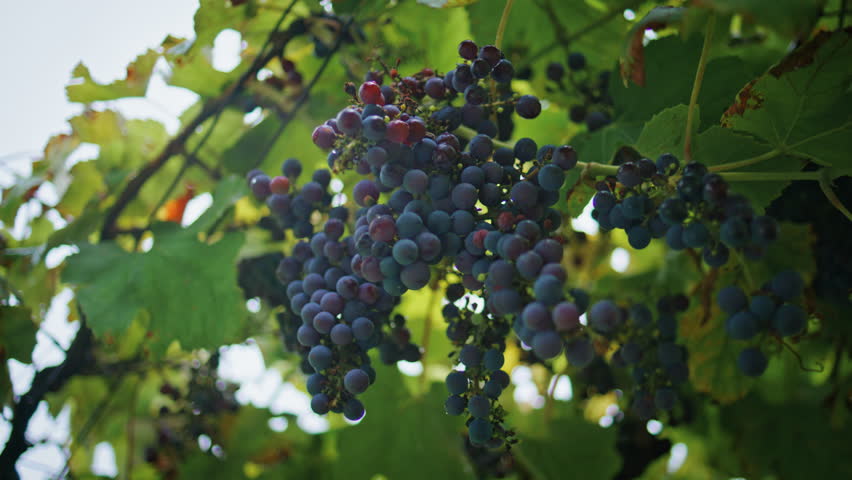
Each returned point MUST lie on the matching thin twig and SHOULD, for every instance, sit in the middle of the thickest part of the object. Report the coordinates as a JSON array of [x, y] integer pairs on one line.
[[504, 19], [819, 366], [832, 197], [619, 10], [303, 97], [696, 87]]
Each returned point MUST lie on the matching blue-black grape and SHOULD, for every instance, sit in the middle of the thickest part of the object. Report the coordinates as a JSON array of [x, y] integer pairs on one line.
[[752, 362]]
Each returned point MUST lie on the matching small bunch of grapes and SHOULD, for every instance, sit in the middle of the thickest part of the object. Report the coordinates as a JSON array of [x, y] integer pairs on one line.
[[292, 208], [768, 310], [596, 106], [698, 213], [648, 347]]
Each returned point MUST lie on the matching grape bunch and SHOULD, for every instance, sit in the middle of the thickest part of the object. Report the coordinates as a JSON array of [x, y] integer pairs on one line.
[[803, 202], [649, 348], [596, 104], [768, 310], [698, 213], [291, 208], [443, 202]]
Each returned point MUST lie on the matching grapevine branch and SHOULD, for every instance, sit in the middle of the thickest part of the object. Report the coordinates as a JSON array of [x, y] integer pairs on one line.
[[211, 107], [696, 88], [304, 96], [47, 380], [564, 42]]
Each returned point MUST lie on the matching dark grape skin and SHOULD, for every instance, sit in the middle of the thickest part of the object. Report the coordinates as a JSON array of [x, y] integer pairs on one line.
[[752, 362], [356, 381], [596, 120], [479, 406], [604, 316], [480, 431], [353, 410], [629, 175], [528, 106], [555, 71], [787, 285], [576, 61], [468, 50], [732, 299]]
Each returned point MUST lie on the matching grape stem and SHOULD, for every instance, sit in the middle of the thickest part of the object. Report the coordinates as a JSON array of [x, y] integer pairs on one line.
[[504, 19], [745, 163], [696, 88], [594, 169], [825, 186], [769, 176], [819, 366]]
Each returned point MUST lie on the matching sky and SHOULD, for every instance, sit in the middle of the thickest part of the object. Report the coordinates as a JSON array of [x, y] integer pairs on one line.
[[42, 40]]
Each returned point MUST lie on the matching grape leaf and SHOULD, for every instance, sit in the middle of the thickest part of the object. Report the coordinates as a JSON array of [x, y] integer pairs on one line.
[[405, 428], [791, 18], [632, 61], [670, 65], [17, 333], [764, 430], [247, 439], [601, 146], [718, 145], [803, 106], [664, 133], [592, 453], [83, 89], [114, 285], [713, 355], [88, 181]]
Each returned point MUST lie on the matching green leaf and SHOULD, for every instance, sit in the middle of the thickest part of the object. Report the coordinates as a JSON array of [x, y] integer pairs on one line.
[[574, 194], [601, 146], [87, 182], [802, 106], [83, 89], [17, 333], [670, 65], [763, 430], [531, 26], [242, 155], [790, 18], [78, 230], [192, 69], [664, 133], [713, 355], [718, 145], [227, 192], [247, 440], [570, 445], [114, 286], [430, 36], [404, 428], [632, 61]]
